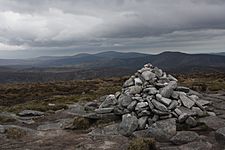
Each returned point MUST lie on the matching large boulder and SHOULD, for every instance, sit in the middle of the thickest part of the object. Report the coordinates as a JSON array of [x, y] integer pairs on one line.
[[163, 130], [128, 125]]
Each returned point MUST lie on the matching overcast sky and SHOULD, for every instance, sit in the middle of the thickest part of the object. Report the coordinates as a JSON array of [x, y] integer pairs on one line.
[[31, 28]]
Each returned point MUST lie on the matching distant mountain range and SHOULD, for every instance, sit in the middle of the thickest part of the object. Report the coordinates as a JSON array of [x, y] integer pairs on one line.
[[106, 64], [222, 53], [172, 61]]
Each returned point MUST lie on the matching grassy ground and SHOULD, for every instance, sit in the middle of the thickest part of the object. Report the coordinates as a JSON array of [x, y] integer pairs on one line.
[[203, 82], [38, 96]]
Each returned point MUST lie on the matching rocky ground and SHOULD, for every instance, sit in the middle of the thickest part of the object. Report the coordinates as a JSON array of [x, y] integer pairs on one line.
[[76, 128]]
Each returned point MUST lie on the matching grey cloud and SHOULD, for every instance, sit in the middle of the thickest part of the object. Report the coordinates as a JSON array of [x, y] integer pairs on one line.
[[98, 25]]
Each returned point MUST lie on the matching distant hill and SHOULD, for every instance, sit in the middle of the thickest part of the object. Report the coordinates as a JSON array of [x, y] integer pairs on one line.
[[222, 53], [105, 64]]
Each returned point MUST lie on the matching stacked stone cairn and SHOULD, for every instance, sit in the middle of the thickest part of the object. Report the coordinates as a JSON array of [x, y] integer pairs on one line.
[[152, 95]]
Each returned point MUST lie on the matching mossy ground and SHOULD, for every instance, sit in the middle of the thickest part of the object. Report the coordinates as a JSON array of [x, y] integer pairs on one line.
[[142, 144], [15, 133]]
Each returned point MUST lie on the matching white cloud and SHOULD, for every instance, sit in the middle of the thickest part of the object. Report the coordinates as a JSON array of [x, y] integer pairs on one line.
[[5, 47]]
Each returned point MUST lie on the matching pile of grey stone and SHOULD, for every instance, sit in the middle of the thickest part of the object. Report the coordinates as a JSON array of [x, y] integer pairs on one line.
[[151, 95]]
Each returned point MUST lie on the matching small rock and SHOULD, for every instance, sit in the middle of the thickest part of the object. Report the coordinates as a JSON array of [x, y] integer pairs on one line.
[[220, 136], [182, 117], [186, 101], [138, 98], [104, 110], [90, 106], [117, 95], [191, 121], [166, 101], [163, 130], [148, 75], [132, 90], [159, 105], [172, 78], [144, 113], [178, 111], [204, 102], [2, 129], [132, 105], [183, 137], [165, 116], [158, 72], [198, 111], [142, 122], [151, 90], [141, 105], [182, 89], [158, 97], [211, 113], [159, 112], [128, 83], [186, 110], [168, 90], [173, 104], [51, 104], [194, 97], [109, 101], [128, 125], [30, 113], [138, 81], [155, 118], [199, 105], [175, 95], [124, 100]]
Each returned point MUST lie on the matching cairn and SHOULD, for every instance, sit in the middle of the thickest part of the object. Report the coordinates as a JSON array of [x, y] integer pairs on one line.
[[151, 95]]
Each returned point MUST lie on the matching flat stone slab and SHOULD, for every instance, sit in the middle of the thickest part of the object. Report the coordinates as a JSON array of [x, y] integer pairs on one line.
[[104, 110], [50, 126], [183, 137], [111, 116], [107, 130], [196, 146], [30, 113], [213, 122]]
